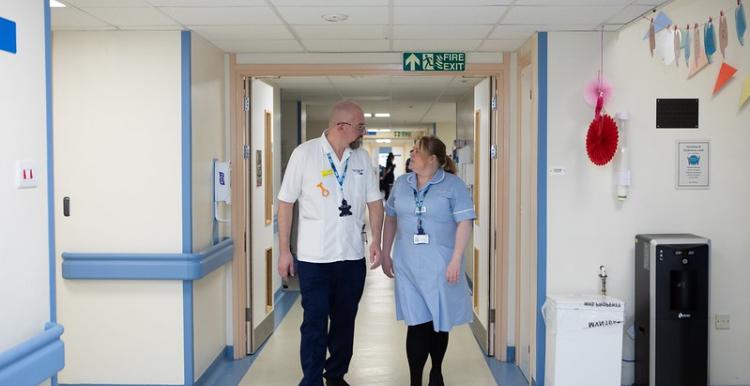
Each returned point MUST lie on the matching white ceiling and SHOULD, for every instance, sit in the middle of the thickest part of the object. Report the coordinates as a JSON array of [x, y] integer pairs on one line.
[[264, 26], [411, 100]]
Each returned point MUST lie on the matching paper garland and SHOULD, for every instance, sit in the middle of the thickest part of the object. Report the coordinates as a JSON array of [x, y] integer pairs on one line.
[[725, 74]]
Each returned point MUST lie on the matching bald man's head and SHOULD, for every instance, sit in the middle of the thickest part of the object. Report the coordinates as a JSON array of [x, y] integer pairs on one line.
[[347, 123]]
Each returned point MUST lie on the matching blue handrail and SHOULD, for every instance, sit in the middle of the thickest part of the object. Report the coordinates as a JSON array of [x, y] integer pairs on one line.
[[146, 266]]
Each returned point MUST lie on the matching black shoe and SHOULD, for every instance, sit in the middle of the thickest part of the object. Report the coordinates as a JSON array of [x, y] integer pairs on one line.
[[336, 382], [436, 379]]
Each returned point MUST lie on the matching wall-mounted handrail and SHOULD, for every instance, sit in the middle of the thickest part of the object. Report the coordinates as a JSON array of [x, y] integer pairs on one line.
[[146, 266]]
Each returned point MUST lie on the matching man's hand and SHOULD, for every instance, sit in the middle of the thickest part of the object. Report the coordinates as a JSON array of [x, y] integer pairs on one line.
[[286, 265], [387, 265], [375, 255]]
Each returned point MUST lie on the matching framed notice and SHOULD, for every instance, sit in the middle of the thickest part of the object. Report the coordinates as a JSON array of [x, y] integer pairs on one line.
[[692, 165]]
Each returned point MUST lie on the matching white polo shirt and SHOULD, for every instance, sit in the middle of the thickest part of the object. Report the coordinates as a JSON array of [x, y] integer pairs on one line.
[[322, 235]]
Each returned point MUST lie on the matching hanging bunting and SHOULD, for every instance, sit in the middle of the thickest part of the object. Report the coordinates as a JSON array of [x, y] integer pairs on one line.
[[745, 91], [652, 38], [665, 46], [677, 46], [723, 35], [709, 38], [699, 61], [739, 17], [725, 74], [686, 44], [662, 21]]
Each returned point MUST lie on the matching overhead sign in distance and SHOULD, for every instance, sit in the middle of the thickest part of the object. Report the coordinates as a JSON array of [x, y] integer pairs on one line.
[[434, 61]]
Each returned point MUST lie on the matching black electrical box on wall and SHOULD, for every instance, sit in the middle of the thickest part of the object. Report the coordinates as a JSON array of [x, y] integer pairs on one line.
[[676, 113]]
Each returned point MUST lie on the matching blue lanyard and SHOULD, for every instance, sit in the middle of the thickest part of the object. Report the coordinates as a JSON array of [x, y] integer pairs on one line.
[[340, 179], [419, 203]]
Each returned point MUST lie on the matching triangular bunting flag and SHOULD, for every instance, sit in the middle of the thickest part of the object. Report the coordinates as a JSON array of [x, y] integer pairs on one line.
[[745, 91], [725, 74], [662, 21]]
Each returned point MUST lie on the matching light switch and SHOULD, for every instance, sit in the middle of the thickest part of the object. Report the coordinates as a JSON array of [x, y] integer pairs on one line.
[[27, 174], [722, 322]]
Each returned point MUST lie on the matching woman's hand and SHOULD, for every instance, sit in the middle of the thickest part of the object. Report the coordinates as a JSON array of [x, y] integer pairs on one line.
[[387, 264], [453, 270]]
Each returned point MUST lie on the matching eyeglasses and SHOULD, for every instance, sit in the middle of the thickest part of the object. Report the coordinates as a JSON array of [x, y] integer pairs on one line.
[[361, 126]]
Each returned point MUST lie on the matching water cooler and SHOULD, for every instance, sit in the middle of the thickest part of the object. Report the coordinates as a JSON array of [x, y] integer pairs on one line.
[[671, 310]]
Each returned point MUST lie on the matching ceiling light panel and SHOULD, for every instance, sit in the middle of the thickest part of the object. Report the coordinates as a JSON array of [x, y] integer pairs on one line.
[[312, 15], [448, 15], [222, 15]]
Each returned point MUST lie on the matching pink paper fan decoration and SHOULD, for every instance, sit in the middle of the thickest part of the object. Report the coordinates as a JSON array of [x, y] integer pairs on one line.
[[594, 88]]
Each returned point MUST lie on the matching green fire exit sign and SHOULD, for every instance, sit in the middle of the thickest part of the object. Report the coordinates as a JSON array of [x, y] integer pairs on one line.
[[434, 61]]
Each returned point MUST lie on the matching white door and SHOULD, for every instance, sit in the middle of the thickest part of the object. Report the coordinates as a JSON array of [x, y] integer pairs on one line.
[[525, 138], [260, 261], [481, 279]]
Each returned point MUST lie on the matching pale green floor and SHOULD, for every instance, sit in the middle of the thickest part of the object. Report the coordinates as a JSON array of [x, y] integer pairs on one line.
[[379, 354]]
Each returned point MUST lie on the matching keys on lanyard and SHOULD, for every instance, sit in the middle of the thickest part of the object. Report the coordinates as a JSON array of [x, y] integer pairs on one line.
[[420, 237], [345, 208]]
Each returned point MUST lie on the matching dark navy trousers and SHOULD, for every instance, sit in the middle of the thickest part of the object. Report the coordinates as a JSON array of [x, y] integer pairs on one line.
[[329, 291]]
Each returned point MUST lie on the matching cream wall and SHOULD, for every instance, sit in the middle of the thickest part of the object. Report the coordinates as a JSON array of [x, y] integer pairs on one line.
[[117, 155], [24, 241], [587, 227], [446, 131], [209, 140]]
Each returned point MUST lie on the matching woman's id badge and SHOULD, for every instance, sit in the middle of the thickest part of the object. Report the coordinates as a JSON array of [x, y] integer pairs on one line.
[[421, 209], [421, 239]]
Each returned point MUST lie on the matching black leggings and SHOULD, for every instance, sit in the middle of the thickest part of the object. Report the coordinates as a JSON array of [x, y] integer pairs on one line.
[[421, 341]]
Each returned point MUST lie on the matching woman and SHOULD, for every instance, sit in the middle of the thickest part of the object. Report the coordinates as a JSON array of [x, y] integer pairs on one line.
[[430, 214], [386, 180]]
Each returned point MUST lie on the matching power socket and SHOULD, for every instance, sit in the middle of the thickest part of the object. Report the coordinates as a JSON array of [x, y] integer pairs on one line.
[[722, 321]]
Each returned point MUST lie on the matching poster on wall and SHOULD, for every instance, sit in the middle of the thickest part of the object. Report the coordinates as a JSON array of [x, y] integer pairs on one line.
[[692, 165]]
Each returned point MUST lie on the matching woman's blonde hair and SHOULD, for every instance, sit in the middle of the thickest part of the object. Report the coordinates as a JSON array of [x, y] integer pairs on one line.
[[432, 145]]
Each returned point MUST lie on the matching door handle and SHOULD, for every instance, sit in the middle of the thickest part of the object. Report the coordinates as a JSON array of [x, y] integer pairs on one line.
[[66, 206]]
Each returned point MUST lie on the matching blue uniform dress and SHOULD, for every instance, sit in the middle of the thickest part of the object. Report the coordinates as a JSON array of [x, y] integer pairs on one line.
[[422, 292]]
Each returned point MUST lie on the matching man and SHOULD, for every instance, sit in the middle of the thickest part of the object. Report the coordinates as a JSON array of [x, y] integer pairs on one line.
[[333, 181]]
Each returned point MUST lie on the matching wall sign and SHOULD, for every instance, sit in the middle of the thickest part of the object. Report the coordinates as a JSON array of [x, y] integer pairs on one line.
[[692, 165], [434, 61], [7, 35]]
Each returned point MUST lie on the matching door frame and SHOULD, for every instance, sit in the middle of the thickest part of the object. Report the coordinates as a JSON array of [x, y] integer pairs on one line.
[[527, 57], [499, 133]]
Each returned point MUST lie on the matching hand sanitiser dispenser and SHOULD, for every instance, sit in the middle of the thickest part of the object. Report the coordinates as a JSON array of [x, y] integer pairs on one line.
[[222, 191], [671, 310]]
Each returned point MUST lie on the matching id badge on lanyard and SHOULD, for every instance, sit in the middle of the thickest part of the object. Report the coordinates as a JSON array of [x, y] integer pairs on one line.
[[420, 237]]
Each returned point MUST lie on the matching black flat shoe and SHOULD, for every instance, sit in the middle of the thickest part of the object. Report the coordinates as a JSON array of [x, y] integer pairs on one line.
[[436, 379], [336, 382]]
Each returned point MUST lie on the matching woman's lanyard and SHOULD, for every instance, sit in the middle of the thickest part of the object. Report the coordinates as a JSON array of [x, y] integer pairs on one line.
[[419, 203], [345, 208]]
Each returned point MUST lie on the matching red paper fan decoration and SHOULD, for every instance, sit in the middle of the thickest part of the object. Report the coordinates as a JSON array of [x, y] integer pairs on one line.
[[601, 139]]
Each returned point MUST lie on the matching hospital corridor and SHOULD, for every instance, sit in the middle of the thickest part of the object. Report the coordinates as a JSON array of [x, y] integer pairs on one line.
[[374, 193]]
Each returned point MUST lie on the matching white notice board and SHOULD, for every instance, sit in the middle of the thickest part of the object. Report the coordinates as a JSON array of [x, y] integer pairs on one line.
[[692, 165]]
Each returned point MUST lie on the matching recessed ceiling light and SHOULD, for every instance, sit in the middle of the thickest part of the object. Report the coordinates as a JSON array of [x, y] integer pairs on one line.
[[385, 130], [383, 140], [55, 4], [368, 115], [382, 115], [335, 17]]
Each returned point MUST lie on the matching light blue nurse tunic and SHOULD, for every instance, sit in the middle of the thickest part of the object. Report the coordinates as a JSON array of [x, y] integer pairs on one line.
[[422, 292]]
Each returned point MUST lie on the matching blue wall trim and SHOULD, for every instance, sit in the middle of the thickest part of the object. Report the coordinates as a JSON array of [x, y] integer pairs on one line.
[[146, 266], [187, 199], [541, 175], [34, 360]]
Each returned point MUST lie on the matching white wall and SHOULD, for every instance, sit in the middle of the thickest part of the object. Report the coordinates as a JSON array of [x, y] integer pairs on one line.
[[24, 254], [588, 228], [209, 140], [117, 155]]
